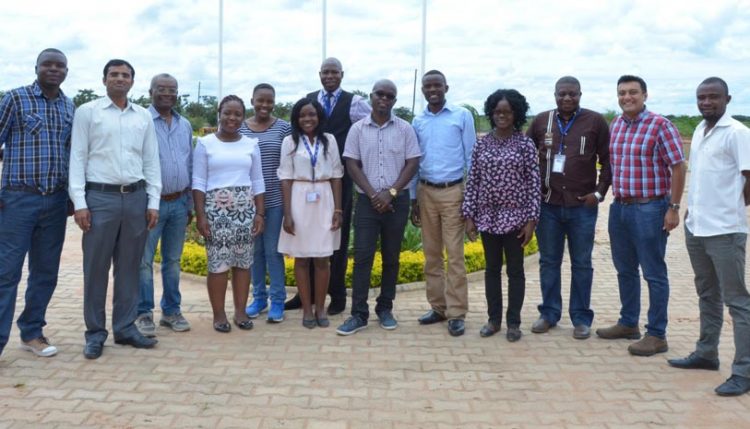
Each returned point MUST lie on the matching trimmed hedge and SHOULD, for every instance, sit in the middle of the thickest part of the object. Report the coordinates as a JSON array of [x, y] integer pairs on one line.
[[411, 269]]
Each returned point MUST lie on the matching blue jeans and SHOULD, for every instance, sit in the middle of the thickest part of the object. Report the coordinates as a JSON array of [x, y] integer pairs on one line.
[[577, 224], [33, 224], [637, 238], [173, 217], [266, 254]]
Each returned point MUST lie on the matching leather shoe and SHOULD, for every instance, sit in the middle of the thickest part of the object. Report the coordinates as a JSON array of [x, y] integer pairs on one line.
[[337, 306], [694, 362], [618, 331], [489, 329], [93, 350], [137, 341], [514, 334], [456, 327], [735, 385], [293, 303], [581, 332], [541, 326], [431, 317]]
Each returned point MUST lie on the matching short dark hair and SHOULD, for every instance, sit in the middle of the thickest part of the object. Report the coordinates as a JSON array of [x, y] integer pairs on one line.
[[118, 62], [264, 86], [297, 130], [517, 103], [568, 80], [231, 97], [55, 50], [630, 78], [720, 81], [161, 76], [435, 72]]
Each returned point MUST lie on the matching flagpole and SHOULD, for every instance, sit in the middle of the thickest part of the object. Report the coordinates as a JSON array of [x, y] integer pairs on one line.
[[424, 44], [221, 49], [325, 28]]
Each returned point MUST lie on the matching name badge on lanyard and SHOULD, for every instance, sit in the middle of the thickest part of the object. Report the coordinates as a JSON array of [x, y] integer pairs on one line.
[[558, 164], [312, 196]]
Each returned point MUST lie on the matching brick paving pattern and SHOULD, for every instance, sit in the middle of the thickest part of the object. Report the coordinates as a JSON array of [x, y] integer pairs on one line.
[[285, 376]]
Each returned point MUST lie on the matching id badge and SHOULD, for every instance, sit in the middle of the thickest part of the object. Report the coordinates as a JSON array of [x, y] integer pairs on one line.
[[548, 140], [313, 197], [558, 165]]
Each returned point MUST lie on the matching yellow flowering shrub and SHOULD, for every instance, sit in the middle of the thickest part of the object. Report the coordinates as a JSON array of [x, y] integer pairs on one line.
[[411, 263]]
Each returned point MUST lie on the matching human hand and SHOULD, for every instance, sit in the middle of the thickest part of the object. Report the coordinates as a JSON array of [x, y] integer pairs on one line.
[[82, 218]]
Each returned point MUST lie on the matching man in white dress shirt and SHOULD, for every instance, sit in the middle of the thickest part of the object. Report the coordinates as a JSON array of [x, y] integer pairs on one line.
[[115, 184], [716, 234]]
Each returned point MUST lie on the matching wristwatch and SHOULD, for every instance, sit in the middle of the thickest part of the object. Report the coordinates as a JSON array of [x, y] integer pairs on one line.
[[674, 206], [393, 192], [599, 196]]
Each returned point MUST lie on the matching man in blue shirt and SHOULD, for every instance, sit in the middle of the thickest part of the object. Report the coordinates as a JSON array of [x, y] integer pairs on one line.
[[175, 136], [35, 126], [446, 137]]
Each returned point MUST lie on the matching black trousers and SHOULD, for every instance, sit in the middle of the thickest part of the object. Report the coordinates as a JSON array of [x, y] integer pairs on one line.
[[495, 247]]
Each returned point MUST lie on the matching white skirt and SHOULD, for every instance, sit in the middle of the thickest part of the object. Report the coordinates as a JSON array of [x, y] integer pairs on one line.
[[312, 237]]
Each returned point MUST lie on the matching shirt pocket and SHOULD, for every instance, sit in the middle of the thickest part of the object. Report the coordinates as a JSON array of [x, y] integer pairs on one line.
[[33, 124], [396, 153]]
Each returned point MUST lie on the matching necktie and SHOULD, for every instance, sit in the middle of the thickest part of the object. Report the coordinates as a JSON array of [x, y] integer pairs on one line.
[[328, 106]]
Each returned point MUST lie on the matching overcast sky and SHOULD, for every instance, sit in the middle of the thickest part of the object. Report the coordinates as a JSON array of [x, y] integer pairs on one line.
[[480, 45]]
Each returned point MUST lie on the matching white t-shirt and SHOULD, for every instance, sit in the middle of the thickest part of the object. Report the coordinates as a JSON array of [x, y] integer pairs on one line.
[[716, 205], [218, 164]]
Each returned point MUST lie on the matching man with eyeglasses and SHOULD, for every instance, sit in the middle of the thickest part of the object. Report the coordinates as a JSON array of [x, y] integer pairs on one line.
[[342, 109], [381, 155], [571, 141], [175, 136]]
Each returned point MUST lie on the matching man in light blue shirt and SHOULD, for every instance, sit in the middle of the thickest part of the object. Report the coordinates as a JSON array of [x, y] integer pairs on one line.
[[446, 137], [175, 136]]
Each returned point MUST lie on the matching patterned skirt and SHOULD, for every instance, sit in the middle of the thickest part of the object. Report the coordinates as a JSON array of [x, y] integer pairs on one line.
[[230, 213]]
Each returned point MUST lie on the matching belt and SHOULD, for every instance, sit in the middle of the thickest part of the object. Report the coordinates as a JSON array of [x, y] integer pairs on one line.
[[122, 189], [442, 185], [33, 190], [173, 196], [636, 200]]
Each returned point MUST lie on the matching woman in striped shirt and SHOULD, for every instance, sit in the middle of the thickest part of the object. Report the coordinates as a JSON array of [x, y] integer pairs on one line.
[[270, 131]]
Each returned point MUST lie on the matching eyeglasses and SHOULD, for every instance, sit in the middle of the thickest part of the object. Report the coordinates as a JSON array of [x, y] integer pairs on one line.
[[386, 95], [161, 90]]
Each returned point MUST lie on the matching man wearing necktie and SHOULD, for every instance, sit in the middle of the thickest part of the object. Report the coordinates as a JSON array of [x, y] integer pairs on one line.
[[342, 109]]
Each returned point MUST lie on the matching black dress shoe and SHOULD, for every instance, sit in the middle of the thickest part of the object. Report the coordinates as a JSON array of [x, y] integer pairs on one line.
[[293, 303], [93, 350], [137, 341], [431, 317], [694, 362], [337, 306], [456, 327], [489, 329], [735, 385]]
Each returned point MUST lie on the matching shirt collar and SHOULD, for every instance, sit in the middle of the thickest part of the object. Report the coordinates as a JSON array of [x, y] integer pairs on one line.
[[446, 106], [335, 93], [155, 113], [36, 89], [368, 121], [641, 116], [106, 102]]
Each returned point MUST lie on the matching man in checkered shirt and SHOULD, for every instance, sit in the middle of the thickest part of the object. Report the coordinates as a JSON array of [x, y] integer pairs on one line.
[[648, 177]]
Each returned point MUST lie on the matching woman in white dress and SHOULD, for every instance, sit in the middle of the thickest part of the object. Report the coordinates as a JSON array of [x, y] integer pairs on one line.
[[228, 193], [310, 172]]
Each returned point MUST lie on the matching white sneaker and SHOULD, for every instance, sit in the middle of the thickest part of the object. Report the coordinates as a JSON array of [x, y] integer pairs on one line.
[[40, 347]]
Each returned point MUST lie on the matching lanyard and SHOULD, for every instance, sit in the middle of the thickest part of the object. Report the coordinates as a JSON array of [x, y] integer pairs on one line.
[[313, 155], [564, 130]]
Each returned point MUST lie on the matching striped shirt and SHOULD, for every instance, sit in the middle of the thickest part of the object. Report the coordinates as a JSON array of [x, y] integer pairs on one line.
[[383, 150], [175, 151], [36, 132], [270, 154], [641, 152]]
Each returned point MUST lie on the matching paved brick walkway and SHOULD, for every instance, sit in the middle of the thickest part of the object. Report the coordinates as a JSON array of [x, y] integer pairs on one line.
[[284, 376]]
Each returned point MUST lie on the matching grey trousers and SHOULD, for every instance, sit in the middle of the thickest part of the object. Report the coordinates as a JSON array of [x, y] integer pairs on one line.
[[719, 266], [117, 236]]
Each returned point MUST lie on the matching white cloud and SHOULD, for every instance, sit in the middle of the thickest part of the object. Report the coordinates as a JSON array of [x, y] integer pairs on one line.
[[480, 45]]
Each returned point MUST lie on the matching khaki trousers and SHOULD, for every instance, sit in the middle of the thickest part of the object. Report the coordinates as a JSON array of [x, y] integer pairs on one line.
[[443, 228]]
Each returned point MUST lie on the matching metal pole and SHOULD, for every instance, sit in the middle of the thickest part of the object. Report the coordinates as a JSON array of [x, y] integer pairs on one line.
[[325, 28], [414, 93], [221, 49], [424, 43]]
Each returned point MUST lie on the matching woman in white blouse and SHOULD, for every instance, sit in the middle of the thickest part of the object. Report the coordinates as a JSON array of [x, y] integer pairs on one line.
[[228, 192], [310, 174]]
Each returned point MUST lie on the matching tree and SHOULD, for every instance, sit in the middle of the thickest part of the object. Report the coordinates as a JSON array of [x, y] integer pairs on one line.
[[283, 110], [84, 96], [404, 113], [142, 101]]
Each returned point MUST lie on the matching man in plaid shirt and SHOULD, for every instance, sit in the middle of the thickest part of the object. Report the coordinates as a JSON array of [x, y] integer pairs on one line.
[[35, 125], [648, 177]]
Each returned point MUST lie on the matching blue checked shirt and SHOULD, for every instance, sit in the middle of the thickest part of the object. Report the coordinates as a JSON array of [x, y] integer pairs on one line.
[[36, 132]]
